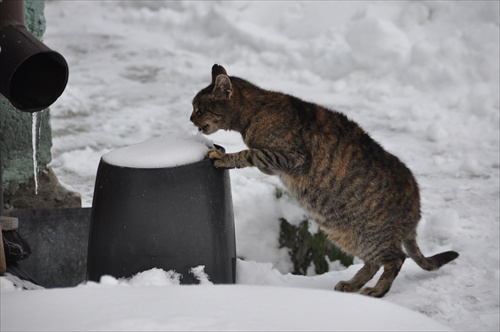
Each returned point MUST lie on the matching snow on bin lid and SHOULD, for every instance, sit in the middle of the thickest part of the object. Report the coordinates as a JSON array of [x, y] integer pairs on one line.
[[161, 152]]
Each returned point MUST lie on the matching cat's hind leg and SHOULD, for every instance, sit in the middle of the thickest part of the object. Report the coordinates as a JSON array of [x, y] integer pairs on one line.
[[391, 270], [361, 277]]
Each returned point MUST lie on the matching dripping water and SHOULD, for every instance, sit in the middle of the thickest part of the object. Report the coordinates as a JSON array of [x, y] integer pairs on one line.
[[35, 139]]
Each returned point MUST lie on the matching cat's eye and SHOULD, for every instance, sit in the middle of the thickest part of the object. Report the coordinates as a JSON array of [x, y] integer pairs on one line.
[[199, 110]]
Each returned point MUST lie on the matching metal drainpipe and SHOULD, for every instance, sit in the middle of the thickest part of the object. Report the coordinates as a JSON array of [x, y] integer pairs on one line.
[[32, 76]]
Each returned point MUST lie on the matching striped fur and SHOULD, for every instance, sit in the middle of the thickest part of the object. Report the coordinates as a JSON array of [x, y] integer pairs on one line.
[[363, 197]]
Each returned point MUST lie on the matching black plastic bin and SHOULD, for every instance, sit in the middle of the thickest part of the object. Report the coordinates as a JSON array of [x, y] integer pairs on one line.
[[169, 218]]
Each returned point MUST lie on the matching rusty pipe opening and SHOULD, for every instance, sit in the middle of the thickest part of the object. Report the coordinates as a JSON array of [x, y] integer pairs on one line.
[[32, 76]]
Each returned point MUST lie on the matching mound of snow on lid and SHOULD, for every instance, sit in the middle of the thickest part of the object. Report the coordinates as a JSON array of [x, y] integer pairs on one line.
[[167, 151]]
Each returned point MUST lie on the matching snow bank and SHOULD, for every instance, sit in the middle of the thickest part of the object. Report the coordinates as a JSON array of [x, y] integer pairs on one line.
[[168, 151], [133, 306], [378, 44]]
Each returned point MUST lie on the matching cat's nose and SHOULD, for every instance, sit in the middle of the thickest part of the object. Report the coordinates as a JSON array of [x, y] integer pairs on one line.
[[191, 118]]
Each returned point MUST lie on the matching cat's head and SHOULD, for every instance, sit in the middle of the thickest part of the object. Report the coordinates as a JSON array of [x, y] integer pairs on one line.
[[212, 105]]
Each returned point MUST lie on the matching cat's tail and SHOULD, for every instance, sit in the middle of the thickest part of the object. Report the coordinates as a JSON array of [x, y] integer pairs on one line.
[[428, 263]]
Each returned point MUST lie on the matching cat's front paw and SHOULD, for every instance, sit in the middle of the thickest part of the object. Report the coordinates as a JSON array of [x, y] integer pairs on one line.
[[218, 158]]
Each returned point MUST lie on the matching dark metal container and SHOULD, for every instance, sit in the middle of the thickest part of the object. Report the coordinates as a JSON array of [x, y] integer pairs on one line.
[[170, 218]]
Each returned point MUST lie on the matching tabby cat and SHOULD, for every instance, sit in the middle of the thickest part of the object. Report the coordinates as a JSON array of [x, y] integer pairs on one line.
[[364, 198]]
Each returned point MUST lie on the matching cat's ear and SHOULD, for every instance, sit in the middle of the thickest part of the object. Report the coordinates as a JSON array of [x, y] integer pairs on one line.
[[223, 86], [216, 71]]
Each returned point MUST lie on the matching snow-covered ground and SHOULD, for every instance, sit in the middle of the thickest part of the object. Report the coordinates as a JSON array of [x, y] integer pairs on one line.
[[421, 77], [149, 302]]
